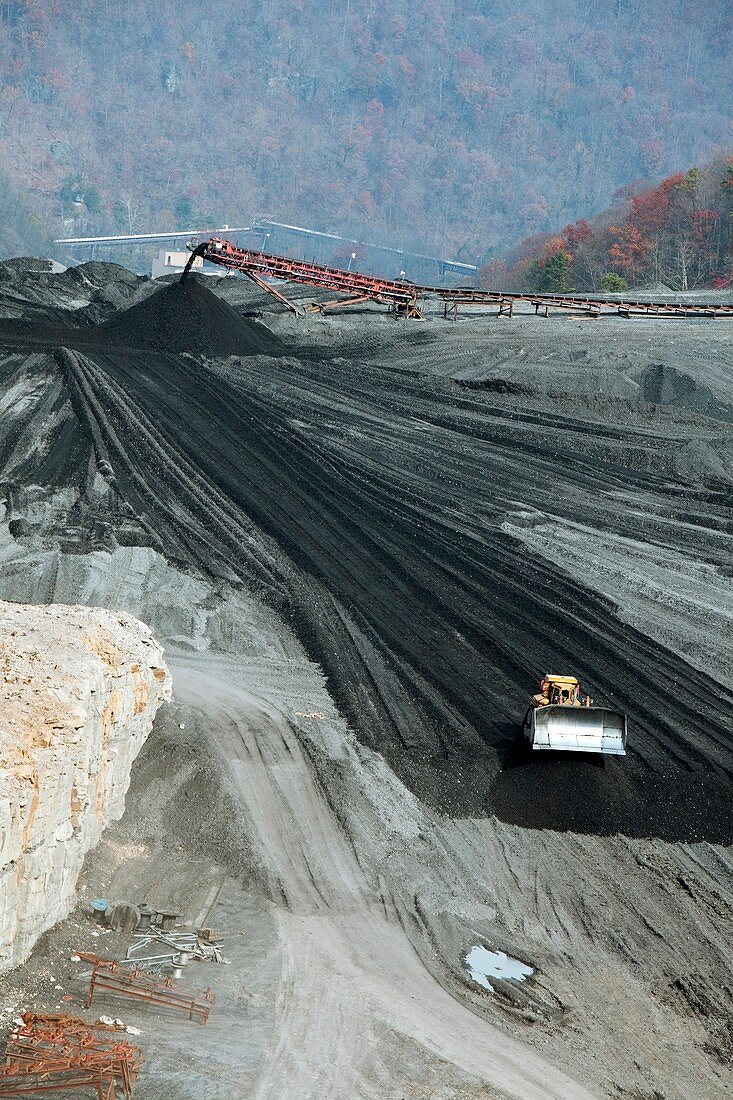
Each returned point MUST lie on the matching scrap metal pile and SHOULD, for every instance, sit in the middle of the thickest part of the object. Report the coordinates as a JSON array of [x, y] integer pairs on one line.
[[56, 1052], [174, 949], [135, 983]]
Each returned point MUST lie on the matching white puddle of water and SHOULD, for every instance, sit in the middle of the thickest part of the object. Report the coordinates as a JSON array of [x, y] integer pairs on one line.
[[483, 964]]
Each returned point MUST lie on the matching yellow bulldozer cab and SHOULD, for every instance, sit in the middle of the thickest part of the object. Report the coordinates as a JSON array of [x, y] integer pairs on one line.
[[560, 690]]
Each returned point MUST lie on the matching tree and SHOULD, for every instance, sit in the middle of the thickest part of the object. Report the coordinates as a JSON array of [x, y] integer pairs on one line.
[[552, 276], [613, 283], [183, 208], [76, 192], [578, 234], [629, 249], [128, 214], [459, 124]]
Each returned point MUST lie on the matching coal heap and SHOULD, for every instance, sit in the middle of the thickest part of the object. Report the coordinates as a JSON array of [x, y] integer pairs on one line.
[[189, 317]]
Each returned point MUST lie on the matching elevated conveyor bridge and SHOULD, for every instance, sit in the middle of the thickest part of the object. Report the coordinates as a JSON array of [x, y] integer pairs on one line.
[[408, 299]]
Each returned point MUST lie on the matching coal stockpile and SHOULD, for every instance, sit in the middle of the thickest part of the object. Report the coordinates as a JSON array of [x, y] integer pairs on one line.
[[188, 317], [441, 513], [180, 317], [382, 509], [366, 504]]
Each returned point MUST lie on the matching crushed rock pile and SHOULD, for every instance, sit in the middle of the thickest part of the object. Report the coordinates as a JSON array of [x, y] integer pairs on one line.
[[189, 317]]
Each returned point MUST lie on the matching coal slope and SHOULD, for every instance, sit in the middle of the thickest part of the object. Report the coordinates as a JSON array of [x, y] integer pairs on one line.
[[365, 504], [179, 317]]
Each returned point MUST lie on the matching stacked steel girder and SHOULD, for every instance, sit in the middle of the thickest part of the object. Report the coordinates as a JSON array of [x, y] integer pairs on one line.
[[54, 1053]]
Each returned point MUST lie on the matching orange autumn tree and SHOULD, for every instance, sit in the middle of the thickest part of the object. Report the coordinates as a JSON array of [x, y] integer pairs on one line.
[[629, 250], [678, 233]]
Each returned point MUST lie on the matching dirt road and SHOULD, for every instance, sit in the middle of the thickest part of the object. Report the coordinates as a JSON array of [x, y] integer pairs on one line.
[[347, 965]]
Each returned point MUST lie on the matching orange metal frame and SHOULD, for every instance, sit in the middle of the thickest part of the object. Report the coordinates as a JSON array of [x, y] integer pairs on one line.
[[107, 974], [405, 297], [54, 1053]]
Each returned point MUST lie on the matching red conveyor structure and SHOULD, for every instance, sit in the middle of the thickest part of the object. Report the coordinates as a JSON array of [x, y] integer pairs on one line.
[[407, 298]]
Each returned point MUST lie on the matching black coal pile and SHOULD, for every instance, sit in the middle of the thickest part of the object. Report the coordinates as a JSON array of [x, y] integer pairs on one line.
[[82, 296], [189, 317]]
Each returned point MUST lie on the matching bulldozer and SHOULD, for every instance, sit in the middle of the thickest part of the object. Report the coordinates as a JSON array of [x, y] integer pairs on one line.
[[561, 717]]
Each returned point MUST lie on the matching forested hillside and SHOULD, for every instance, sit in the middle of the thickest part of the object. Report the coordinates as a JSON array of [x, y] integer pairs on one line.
[[453, 125], [678, 234], [21, 228]]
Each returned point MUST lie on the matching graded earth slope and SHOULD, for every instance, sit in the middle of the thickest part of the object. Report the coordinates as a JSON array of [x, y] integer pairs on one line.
[[385, 499], [440, 514]]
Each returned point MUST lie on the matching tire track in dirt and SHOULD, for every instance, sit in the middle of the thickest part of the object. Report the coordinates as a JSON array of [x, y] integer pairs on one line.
[[365, 557], [348, 971]]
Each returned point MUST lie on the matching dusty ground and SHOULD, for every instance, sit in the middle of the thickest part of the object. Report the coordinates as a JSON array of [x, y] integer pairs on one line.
[[432, 514]]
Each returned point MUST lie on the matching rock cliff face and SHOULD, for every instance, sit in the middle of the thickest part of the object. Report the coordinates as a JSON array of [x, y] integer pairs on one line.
[[79, 689]]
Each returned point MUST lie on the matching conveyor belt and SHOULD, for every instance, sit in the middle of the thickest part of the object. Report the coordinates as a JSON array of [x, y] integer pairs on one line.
[[406, 298]]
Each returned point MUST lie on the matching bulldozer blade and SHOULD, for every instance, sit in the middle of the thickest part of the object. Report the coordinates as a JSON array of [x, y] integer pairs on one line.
[[577, 729]]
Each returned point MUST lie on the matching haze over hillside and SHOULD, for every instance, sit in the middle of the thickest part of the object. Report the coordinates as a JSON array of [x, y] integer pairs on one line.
[[457, 126]]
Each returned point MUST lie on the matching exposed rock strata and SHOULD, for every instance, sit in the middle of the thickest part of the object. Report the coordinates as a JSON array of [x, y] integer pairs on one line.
[[79, 688]]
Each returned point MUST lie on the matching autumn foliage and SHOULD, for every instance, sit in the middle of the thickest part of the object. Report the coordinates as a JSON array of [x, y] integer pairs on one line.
[[678, 234], [450, 126]]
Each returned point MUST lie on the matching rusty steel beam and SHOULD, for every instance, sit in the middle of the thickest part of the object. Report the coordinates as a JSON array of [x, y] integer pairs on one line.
[[72, 1053], [255, 278], [337, 303], [35, 1079], [136, 984]]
